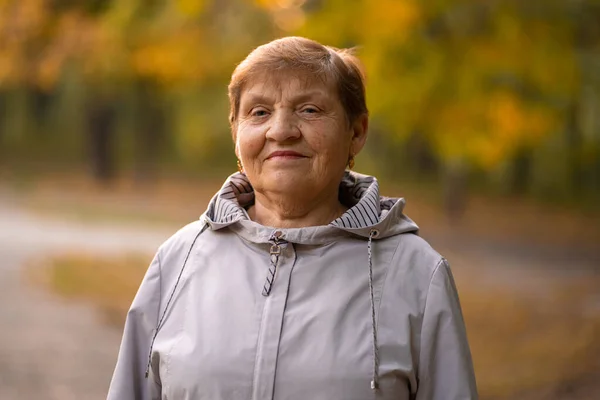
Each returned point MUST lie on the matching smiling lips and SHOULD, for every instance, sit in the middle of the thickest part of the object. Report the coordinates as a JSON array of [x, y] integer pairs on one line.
[[285, 155]]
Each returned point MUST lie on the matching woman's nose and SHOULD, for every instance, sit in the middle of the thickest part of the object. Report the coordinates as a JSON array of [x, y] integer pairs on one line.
[[283, 126]]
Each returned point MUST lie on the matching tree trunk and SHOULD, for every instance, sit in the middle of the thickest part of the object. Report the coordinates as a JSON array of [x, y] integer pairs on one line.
[[454, 183], [574, 143], [101, 116], [420, 154], [149, 129], [521, 173]]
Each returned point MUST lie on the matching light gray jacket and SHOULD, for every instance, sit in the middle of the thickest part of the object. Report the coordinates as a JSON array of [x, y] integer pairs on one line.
[[362, 308]]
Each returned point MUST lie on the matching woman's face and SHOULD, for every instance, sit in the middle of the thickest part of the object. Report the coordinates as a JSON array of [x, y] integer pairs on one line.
[[293, 135]]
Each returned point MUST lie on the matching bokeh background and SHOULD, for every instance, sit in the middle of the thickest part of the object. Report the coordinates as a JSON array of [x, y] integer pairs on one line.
[[485, 116]]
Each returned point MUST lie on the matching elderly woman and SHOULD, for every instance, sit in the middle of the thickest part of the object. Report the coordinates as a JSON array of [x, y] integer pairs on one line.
[[299, 281]]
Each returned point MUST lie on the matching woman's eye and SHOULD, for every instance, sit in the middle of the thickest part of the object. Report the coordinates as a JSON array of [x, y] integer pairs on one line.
[[310, 110], [258, 112]]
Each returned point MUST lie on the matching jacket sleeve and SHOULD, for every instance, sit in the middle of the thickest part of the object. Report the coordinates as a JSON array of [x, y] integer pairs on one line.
[[445, 368], [129, 381]]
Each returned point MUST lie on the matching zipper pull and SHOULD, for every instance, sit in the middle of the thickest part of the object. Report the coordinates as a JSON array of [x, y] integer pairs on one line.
[[274, 253]]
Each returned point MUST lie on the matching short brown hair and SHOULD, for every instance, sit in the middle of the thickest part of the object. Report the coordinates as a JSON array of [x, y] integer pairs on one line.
[[294, 53]]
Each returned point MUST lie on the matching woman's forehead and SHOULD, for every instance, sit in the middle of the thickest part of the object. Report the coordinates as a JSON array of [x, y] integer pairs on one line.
[[296, 81]]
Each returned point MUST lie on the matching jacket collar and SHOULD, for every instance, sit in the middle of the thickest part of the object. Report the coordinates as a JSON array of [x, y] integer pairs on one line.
[[367, 209]]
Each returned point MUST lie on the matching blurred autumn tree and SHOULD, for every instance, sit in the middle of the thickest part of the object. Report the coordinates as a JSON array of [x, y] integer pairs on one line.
[[503, 94], [505, 89]]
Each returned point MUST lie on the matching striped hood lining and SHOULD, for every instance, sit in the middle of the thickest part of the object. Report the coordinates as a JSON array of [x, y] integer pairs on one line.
[[358, 192]]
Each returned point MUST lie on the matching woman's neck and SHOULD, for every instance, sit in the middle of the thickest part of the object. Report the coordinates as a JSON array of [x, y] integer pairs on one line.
[[281, 211]]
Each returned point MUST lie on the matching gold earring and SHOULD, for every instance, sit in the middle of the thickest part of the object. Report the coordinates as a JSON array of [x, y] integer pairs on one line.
[[351, 161], [240, 168]]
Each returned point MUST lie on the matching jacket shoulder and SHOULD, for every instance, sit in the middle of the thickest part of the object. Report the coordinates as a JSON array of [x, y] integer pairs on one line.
[[183, 236], [412, 267], [415, 252], [173, 251]]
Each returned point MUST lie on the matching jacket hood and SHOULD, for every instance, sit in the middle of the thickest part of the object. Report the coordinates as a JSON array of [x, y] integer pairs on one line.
[[368, 214]]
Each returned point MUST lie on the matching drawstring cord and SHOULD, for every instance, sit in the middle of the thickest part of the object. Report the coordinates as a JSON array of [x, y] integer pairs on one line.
[[375, 382], [160, 322]]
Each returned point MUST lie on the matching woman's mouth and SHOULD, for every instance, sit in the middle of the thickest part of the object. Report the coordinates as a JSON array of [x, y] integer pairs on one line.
[[285, 155]]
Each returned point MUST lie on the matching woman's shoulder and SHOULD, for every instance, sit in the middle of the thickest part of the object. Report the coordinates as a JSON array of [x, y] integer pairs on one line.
[[414, 260], [177, 246]]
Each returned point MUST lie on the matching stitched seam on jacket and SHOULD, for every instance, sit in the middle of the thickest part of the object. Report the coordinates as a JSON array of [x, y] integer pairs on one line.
[[416, 360], [435, 270], [159, 301], [159, 286]]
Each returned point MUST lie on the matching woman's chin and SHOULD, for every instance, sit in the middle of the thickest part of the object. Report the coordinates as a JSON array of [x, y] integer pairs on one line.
[[292, 180]]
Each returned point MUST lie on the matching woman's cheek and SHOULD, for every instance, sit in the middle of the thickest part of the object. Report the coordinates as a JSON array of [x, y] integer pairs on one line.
[[250, 143]]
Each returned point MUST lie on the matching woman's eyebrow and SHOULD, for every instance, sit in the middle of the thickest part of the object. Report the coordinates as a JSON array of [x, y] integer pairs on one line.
[[310, 95], [253, 98]]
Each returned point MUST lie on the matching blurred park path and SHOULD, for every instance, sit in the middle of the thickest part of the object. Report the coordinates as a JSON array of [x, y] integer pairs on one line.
[[51, 348]]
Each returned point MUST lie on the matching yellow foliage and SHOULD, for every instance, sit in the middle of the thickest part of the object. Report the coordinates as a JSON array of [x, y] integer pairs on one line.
[[273, 5], [22, 25], [505, 116], [267, 4], [191, 7], [389, 20], [448, 87], [49, 70], [8, 68], [478, 92], [172, 59], [289, 18]]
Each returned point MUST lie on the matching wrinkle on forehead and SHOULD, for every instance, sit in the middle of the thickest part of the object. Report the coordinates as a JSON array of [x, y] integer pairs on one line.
[[288, 79]]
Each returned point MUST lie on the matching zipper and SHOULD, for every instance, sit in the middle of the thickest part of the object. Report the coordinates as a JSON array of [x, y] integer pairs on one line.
[[274, 253]]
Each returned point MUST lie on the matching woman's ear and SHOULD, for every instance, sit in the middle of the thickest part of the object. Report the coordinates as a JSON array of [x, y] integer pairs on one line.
[[360, 129]]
